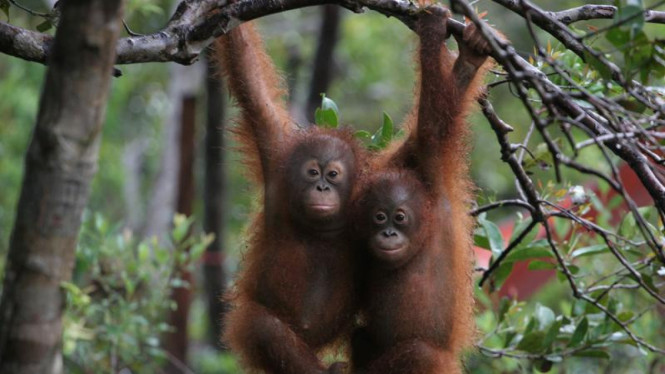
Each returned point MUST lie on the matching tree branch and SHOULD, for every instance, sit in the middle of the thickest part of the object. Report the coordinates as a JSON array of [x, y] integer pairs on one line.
[[192, 28], [195, 24]]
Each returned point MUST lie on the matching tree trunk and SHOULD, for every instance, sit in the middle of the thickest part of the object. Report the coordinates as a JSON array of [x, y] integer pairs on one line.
[[324, 60], [60, 163], [177, 342], [185, 82], [214, 202]]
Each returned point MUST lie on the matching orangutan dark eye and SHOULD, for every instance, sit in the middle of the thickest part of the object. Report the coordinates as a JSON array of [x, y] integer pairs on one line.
[[400, 217], [380, 217], [332, 174], [313, 172]]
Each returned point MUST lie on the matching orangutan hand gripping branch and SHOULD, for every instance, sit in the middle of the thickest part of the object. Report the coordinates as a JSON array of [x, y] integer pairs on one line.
[[296, 293], [413, 220]]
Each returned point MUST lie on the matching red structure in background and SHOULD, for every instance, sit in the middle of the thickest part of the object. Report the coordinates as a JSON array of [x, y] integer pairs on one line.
[[522, 282]]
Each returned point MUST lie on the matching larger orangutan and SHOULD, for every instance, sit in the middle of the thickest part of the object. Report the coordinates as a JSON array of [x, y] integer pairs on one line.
[[296, 293], [412, 216]]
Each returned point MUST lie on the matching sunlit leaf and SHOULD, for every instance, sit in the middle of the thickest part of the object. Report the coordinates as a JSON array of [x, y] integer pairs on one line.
[[363, 135], [494, 236], [544, 315], [589, 251], [328, 114], [387, 129]]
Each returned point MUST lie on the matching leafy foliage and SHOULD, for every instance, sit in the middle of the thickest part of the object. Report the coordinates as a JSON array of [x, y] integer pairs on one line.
[[116, 300], [116, 309], [328, 116]]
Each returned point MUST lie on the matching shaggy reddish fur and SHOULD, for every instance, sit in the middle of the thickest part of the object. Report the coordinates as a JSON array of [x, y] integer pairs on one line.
[[296, 293], [420, 315]]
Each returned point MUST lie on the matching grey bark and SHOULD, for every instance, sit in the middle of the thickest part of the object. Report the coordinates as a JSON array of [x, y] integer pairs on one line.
[[195, 24], [60, 163]]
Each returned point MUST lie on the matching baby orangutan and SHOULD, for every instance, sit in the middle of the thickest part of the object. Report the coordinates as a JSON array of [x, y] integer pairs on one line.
[[413, 220]]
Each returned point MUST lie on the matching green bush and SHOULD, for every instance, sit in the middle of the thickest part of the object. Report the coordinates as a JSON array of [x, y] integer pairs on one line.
[[118, 300]]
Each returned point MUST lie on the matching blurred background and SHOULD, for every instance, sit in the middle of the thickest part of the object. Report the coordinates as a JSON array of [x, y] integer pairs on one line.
[[166, 150]]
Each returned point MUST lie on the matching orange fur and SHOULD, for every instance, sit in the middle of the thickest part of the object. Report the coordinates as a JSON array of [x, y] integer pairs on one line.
[[296, 293], [426, 306]]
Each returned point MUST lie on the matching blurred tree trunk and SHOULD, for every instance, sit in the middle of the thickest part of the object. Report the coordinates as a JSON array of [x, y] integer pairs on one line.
[[215, 202], [292, 70], [185, 82], [133, 160], [324, 59], [60, 163], [177, 343]]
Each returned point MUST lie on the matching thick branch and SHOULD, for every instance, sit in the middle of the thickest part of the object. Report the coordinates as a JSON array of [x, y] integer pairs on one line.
[[24, 44], [588, 12], [192, 28]]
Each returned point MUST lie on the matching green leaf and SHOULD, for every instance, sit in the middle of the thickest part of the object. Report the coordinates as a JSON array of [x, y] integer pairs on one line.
[[633, 11], [494, 236], [328, 104], [4, 7], [552, 333], [182, 225], [509, 339], [520, 227], [543, 366], [598, 66], [596, 353], [143, 252], [387, 129], [44, 26], [589, 251], [504, 306], [101, 224], [197, 249], [532, 342], [480, 239], [328, 114], [326, 118], [384, 134], [580, 333], [530, 326], [648, 280], [502, 273], [618, 37], [625, 316], [541, 265], [363, 135], [526, 253], [544, 315]]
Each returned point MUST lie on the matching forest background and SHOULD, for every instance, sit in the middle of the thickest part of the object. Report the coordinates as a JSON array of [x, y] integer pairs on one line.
[[135, 252]]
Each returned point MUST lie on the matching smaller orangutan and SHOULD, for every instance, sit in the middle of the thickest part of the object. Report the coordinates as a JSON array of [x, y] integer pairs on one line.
[[413, 219]]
